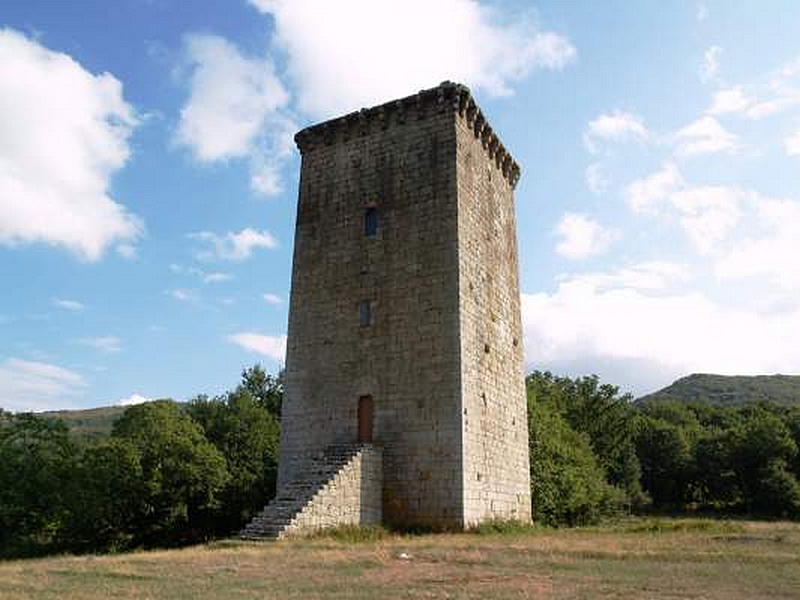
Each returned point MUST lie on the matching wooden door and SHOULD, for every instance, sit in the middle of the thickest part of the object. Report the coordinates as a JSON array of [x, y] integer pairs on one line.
[[365, 417]]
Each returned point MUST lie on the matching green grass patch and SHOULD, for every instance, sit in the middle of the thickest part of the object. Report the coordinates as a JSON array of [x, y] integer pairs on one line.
[[680, 525], [506, 527], [353, 533]]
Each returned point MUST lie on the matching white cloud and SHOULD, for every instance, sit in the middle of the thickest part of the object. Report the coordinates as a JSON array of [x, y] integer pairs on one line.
[[273, 299], [707, 214], [233, 246], [231, 97], [212, 277], [273, 347], [780, 92], [582, 237], [650, 275], [353, 53], [65, 134], [710, 68], [772, 255], [647, 339], [596, 179], [106, 343], [616, 126], [183, 295], [34, 386], [127, 251], [730, 101], [133, 399], [216, 277], [181, 270], [70, 305], [206, 277], [792, 144], [647, 194], [236, 109], [705, 136], [702, 12]]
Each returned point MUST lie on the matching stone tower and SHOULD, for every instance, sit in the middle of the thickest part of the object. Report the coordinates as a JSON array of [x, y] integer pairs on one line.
[[404, 327]]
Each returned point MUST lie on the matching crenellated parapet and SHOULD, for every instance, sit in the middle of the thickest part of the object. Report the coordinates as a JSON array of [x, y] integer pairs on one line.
[[447, 96]]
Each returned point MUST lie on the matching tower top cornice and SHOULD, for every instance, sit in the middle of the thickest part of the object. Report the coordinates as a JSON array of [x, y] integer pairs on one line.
[[446, 96]]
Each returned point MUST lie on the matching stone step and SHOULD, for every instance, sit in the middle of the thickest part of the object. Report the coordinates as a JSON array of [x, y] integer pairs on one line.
[[294, 497]]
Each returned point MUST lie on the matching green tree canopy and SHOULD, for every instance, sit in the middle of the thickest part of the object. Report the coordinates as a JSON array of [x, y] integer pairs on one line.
[[183, 472]]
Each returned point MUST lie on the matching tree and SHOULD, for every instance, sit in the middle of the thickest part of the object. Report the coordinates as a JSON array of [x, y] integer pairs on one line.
[[36, 461], [247, 434], [107, 497], [266, 390], [183, 472], [567, 483], [665, 455], [715, 483], [762, 447], [605, 416], [792, 420]]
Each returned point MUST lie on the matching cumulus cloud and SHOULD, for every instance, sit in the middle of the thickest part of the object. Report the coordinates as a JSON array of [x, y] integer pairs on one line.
[[773, 254], [649, 275], [216, 277], [273, 299], [345, 55], [237, 108], [758, 100], [707, 214], [730, 101], [646, 195], [70, 305], [205, 277], [273, 347], [233, 246], [65, 134], [35, 386], [616, 126], [602, 324], [596, 179], [184, 295], [710, 69], [792, 144], [106, 343], [582, 237], [705, 136], [133, 399]]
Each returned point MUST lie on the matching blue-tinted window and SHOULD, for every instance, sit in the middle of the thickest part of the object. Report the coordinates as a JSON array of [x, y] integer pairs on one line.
[[365, 313], [371, 222]]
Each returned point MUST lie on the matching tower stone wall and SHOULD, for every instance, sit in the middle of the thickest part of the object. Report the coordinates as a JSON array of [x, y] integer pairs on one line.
[[421, 315], [495, 465]]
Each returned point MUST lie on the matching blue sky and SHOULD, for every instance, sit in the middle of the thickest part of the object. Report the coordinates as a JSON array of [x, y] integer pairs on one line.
[[148, 179]]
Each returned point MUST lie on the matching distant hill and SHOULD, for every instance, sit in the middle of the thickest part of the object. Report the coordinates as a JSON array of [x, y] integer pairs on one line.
[[91, 422], [724, 390]]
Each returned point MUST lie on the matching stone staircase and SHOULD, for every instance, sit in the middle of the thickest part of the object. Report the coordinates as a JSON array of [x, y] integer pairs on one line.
[[339, 486]]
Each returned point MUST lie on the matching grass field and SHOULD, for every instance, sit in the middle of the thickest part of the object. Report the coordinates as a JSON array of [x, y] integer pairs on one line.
[[643, 558]]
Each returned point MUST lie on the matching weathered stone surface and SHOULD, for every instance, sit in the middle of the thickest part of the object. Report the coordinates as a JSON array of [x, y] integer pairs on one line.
[[342, 486], [442, 355]]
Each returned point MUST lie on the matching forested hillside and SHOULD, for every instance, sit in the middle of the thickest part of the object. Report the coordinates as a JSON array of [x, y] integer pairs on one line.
[[90, 422], [733, 390]]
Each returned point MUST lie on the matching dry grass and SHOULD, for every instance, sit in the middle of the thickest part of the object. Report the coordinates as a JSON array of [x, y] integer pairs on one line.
[[639, 559]]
